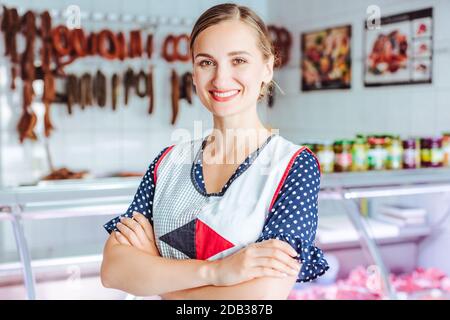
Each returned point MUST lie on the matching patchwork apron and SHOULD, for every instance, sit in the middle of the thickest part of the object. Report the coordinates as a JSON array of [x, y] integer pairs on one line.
[[190, 224]]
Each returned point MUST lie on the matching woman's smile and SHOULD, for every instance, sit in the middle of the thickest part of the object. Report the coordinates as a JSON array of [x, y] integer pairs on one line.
[[224, 96]]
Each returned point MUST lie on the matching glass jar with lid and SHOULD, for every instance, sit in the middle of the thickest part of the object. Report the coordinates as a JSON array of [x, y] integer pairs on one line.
[[342, 155], [325, 154], [359, 154], [377, 154], [446, 149], [394, 149], [431, 152], [410, 148]]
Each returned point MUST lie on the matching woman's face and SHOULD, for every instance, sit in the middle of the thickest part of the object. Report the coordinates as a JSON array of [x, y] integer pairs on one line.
[[229, 68]]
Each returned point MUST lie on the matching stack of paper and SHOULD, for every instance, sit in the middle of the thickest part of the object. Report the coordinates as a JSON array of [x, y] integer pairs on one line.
[[402, 216], [339, 228]]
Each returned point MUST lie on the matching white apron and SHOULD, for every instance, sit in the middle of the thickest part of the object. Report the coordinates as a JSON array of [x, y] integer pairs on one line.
[[189, 224]]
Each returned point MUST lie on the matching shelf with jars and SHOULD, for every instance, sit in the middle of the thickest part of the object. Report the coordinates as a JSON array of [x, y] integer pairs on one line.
[[382, 152]]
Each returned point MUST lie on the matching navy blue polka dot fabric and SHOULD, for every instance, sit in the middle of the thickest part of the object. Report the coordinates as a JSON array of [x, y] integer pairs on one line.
[[293, 217], [143, 199]]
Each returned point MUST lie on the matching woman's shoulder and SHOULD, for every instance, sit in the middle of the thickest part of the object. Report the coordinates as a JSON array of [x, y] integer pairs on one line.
[[300, 154], [185, 149]]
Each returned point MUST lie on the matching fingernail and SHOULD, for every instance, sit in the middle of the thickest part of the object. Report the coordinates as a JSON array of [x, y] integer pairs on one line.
[[119, 224], [121, 218]]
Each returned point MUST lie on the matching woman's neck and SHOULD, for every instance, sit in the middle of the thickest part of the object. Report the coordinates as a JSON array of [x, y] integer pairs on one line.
[[234, 138]]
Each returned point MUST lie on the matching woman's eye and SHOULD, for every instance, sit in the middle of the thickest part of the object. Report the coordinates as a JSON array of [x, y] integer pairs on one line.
[[205, 63], [239, 61]]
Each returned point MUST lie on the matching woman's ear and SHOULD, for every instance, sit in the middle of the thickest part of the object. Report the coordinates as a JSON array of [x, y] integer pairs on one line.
[[268, 69]]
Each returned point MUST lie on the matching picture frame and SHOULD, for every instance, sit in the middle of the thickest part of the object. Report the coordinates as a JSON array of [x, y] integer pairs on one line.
[[326, 59], [400, 51]]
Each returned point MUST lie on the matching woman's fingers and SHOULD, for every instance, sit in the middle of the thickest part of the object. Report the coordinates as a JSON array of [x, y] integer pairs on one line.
[[129, 234], [276, 265], [121, 239], [276, 254], [136, 228], [282, 245], [145, 224]]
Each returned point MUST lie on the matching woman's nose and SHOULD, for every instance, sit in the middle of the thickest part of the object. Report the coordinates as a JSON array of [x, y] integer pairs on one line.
[[222, 76]]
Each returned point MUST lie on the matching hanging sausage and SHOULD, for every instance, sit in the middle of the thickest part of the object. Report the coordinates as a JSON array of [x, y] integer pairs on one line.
[[141, 90], [47, 99], [115, 81], [175, 96], [150, 91], [61, 39], [135, 44], [108, 46], [46, 49], [92, 44], [100, 88], [10, 27], [128, 83], [79, 43], [28, 119], [86, 90], [149, 46], [29, 29], [186, 87], [71, 92], [171, 48], [122, 49]]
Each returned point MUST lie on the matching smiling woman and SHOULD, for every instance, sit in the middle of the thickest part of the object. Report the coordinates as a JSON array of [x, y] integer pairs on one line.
[[238, 222]]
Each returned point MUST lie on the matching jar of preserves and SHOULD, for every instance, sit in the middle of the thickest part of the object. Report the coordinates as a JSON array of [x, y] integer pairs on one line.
[[325, 154], [311, 146], [431, 152], [342, 155], [394, 153], [377, 154], [418, 154], [409, 153], [359, 154], [446, 149]]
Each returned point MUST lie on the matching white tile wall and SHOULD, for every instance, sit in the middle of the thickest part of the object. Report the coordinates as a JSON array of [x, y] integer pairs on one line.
[[407, 110]]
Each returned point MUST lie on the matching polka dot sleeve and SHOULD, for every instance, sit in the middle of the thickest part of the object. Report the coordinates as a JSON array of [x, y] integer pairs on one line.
[[143, 199], [293, 217]]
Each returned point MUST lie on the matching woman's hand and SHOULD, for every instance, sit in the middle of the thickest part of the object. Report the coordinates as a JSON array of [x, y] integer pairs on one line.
[[270, 258], [137, 232]]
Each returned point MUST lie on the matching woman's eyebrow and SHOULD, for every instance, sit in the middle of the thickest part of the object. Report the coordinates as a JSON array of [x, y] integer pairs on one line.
[[204, 55], [236, 53], [232, 53]]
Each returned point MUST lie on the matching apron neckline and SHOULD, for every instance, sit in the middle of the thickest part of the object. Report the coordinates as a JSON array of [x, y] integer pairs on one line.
[[239, 171]]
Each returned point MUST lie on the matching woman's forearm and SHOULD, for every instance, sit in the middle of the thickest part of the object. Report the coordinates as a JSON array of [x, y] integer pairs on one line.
[[256, 289], [134, 271]]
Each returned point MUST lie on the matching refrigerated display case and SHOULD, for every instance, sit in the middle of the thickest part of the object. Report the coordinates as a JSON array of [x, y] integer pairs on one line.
[[354, 191]]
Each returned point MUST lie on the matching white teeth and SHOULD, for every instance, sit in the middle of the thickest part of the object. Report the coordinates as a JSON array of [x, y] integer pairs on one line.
[[225, 94]]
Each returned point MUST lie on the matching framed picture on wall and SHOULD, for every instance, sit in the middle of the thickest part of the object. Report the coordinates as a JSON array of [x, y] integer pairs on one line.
[[326, 59], [400, 51]]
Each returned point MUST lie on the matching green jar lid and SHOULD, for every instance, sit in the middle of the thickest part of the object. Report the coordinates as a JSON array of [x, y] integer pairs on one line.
[[360, 140], [343, 142]]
